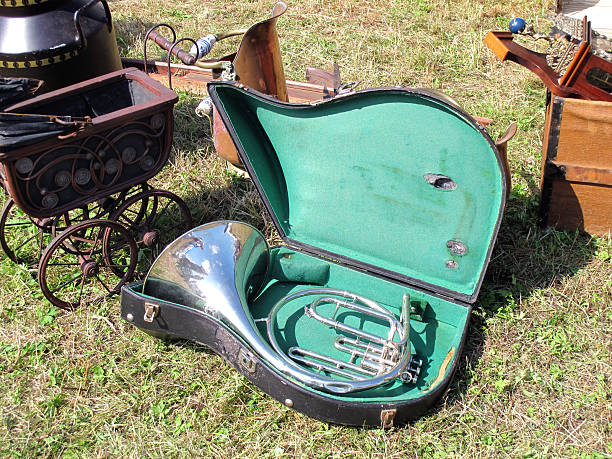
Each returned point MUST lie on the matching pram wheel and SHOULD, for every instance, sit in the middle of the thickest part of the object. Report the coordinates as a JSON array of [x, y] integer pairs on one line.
[[155, 218], [81, 265], [23, 238], [101, 208]]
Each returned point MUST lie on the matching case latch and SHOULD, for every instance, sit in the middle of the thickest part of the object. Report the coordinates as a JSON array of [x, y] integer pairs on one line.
[[151, 311], [247, 360], [387, 417]]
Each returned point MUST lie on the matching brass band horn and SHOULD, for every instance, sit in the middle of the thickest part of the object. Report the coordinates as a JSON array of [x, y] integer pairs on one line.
[[219, 267]]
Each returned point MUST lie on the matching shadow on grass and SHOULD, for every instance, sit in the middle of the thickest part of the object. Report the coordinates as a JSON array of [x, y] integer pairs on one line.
[[526, 258]]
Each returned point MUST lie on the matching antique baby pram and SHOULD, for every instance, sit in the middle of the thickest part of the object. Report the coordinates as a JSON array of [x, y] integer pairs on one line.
[[74, 163]]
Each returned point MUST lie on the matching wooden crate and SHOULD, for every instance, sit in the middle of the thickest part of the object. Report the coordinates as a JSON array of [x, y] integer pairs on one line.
[[576, 179]]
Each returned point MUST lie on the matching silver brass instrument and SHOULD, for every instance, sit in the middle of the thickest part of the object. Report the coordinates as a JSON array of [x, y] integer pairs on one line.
[[219, 267], [371, 356]]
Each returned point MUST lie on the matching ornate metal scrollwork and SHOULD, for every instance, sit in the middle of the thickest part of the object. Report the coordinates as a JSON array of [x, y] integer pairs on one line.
[[75, 172]]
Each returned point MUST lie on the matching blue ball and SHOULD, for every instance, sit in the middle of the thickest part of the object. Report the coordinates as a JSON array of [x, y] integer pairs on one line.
[[517, 25]]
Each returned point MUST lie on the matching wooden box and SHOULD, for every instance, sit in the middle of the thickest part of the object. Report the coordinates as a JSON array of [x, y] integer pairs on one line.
[[577, 165]]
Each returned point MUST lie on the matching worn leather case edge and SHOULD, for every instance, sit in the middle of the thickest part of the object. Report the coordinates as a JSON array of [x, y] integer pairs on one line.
[[180, 322]]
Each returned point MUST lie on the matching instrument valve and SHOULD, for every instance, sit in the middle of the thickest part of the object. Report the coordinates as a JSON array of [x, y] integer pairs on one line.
[[407, 377], [412, 372]]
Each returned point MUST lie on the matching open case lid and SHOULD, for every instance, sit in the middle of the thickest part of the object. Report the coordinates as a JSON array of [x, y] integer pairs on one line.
[[394, 181]]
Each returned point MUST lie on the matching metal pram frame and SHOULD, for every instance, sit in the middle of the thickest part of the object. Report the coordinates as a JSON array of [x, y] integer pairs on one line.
[[79, 210]]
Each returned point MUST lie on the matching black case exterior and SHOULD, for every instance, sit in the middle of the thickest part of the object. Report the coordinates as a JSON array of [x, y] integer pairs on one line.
[[175, 321]]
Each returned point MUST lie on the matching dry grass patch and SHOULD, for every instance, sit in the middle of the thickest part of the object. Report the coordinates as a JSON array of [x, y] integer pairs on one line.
[[535, 376]]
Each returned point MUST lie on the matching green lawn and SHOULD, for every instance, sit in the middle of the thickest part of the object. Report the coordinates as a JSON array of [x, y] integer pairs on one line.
[[535, 377]]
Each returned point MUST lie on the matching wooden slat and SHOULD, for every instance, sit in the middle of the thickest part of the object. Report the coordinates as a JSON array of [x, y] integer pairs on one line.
[[194, 79], [584, 174], [585, 136]]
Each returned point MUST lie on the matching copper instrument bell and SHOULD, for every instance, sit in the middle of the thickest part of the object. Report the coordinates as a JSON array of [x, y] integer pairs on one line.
[[257, 64]]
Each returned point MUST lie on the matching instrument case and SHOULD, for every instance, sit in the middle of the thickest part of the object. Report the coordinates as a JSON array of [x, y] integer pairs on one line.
[[576, 179], [380, 192]]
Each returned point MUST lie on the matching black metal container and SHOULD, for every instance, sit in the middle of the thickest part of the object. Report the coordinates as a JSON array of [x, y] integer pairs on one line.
[[57, 41]]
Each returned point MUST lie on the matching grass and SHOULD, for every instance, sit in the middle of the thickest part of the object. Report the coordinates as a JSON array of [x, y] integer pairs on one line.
[[535, 377]]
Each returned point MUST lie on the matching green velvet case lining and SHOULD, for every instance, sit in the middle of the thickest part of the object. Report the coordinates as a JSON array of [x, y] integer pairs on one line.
[[349, 177], [437, 326]]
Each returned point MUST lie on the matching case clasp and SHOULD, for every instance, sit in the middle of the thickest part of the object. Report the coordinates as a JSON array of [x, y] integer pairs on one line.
[[247, 360], [387, 417], [151, 311]]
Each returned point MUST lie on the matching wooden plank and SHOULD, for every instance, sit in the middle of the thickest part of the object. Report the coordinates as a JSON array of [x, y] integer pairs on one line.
[[585, 136], [496, 45], [585, 174], [581, 206], [194, 79]]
